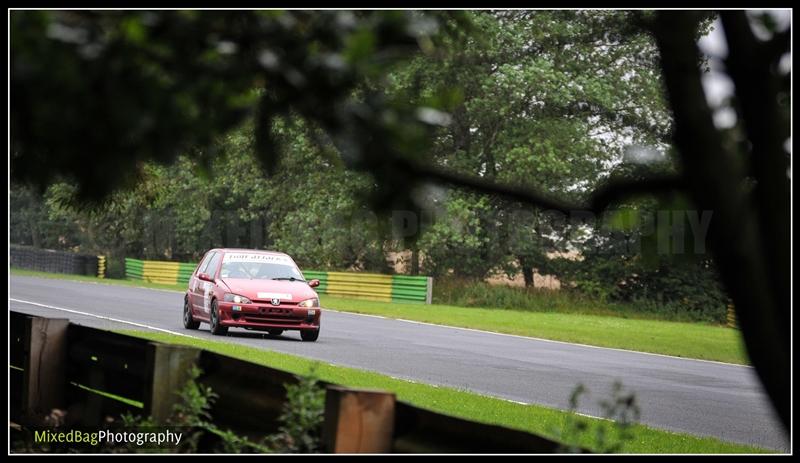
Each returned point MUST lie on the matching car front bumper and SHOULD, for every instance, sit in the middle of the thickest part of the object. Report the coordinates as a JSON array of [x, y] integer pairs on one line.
[[265, 316]]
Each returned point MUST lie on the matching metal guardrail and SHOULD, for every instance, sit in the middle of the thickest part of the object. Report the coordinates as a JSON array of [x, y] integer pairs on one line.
[[55, 364]]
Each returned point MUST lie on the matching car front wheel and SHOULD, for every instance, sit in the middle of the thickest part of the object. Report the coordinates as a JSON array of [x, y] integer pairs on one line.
[[309, 335], [188, 320], [216, 328]]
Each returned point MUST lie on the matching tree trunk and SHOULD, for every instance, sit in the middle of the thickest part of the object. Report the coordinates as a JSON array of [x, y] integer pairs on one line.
[[738, 243], [414, 259], [527, 271], [37, 243]]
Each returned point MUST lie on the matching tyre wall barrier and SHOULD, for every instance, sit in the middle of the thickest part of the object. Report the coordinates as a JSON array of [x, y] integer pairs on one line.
[[387, 288], [46, 260]]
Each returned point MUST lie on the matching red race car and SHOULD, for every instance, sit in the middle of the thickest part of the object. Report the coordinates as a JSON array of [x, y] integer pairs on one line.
[[256, 290]]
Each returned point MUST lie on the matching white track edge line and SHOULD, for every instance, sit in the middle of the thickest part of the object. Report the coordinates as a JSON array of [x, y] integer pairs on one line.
[[102, 317]]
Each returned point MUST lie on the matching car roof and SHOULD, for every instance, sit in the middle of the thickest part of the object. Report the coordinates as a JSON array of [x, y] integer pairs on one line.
[[253, 251]]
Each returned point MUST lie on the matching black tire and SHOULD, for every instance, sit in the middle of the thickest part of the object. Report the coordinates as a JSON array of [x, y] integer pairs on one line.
[[309, 335], [188, 320], [275, 332], [216, 328]]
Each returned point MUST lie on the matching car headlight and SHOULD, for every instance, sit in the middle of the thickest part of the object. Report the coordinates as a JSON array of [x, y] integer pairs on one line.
[[237, 299], [313, 302]]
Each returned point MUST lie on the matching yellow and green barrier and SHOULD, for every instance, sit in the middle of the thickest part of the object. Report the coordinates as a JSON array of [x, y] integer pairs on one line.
[[101, 266], [154, 271], [407, 288], [732, 323], [388, 288]]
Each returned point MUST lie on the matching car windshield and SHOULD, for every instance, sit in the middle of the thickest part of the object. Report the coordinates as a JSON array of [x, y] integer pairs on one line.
[[260, 271]]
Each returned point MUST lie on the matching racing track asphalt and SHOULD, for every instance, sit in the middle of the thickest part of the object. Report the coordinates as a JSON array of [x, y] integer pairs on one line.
[[699, 397]]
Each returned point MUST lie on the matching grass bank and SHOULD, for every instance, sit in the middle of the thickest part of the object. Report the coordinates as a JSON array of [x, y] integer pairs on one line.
[[681, 339]]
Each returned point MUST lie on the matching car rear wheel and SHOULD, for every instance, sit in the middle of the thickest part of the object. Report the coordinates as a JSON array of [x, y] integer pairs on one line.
[[309, 335], [216, 328], [275, 332], [188, 320]]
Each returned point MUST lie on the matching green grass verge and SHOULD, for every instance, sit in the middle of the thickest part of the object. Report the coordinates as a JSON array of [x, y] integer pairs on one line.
[[93, 279], [531, 418], [681, 339]]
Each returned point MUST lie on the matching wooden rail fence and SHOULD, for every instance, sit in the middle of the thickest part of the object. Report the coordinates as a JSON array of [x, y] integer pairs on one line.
[[58, 364]]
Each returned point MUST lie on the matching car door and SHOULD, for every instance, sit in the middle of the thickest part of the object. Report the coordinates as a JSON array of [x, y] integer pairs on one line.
[[208, 288], [196, 288]]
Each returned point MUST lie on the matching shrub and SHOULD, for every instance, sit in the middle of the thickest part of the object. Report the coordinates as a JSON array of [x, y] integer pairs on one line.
[[300, 424], [683, 302], [621, 410], [302, 417]]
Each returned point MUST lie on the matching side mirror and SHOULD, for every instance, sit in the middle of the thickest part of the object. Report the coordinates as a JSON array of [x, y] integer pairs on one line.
[[313, 283], [205, 277]]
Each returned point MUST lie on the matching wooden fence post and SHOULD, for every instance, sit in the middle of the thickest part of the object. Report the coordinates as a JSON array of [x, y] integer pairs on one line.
[[44, 380], [358, 421], [168, 368]]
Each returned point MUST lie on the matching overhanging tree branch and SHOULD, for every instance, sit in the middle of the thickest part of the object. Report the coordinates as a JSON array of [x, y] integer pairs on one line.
[[612, 191]]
